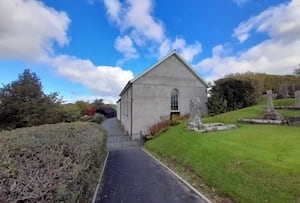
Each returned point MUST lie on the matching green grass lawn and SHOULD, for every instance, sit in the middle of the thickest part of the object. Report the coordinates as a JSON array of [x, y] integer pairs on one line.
[[254, 163]]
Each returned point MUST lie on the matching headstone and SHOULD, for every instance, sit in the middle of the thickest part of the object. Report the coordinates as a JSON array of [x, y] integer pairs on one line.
[[270, 101], [283, 91], [195, 113], [271, 113], [297, 98]]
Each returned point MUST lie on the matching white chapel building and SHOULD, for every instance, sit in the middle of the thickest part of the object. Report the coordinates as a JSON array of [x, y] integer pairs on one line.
[[164, 89]]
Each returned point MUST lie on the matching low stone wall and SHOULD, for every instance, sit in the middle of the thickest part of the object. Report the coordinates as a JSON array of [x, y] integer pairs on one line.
[[263, 121], [211, 127], [294, 120], [287, 107]]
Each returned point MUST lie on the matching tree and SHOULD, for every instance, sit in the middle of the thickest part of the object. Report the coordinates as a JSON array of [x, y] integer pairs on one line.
[[82, 106], [71, 112], [23, 103], [297, 72], [98, 103], [229, 94]]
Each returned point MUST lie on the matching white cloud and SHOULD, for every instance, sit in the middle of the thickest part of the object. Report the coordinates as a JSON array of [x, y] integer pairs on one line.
[[113, 8], [218, 50], [135, 16], [106, 81], [281, 22], [125, 46], [277, 55], [135, 19], [28, 29], [188, 51], [90, 99], [241, 3], [139, 17]]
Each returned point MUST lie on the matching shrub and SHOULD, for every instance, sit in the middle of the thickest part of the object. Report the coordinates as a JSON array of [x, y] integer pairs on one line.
[[163, 125], [97, 118], [229, 94], [51, 163], [156, 128], [177, 119]]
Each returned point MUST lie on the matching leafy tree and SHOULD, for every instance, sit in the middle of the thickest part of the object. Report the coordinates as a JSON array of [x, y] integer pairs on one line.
[[263, 82], [98, 103], [82, 106], [23, 103], [229, 94], [297, 72], [71, 112]]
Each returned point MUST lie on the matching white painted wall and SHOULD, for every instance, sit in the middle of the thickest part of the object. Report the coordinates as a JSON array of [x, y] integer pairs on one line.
[[125, 106], [151, 95], [119, 110]]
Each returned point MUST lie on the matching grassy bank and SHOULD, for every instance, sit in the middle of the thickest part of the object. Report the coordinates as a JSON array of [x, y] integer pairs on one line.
[[51, 163], [254, 163]]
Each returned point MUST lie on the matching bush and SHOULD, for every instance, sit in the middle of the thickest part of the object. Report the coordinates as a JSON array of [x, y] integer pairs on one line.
[[177, 119], [97, 118], [157, 128], [163, 125], [229, 94], [51, 163]]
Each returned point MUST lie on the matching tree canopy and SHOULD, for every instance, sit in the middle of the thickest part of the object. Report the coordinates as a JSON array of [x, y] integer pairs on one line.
[[229, 94], [23, 103], [263, 82]]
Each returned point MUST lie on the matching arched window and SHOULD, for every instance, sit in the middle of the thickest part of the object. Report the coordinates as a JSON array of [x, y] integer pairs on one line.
[[174, 100]]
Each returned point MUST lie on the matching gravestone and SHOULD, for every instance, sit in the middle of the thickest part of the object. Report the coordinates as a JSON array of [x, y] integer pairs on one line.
[[271, 113], [283, 91], [297, 98], [195, 113], [270, 101], [196, 122]]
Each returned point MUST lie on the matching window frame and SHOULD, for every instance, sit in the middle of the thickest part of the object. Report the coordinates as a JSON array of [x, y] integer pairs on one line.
[[174, 100]]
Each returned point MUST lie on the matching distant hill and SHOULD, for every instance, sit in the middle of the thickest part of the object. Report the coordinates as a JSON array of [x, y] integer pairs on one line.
[[283, 85]]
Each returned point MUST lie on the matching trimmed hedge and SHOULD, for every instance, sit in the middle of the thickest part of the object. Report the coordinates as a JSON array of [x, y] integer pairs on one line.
[[51, 163]]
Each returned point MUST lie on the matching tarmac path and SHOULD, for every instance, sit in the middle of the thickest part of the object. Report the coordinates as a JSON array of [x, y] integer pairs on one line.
[[131, 175]]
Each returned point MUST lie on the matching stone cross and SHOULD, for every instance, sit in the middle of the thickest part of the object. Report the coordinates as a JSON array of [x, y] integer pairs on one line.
[[195, 113], [297, 98], [270, 101]]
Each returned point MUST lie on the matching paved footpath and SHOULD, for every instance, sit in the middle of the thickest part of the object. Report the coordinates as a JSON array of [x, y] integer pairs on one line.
[[131, 176]]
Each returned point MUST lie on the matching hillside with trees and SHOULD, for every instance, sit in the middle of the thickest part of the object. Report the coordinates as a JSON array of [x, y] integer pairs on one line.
[[241, 90], [263, 82]]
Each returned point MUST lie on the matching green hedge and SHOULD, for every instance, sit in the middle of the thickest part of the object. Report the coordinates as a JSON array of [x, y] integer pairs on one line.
[[51, 163]]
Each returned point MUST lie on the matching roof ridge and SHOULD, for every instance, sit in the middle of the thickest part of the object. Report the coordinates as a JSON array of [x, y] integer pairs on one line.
[[174, 52]]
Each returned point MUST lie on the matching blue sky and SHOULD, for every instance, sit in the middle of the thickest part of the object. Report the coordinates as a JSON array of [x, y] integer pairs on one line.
[[88, 49]]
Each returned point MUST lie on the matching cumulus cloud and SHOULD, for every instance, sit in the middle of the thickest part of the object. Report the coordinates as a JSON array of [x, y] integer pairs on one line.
[[135, 19], [125, 46], [30, 25], [241, 3], [188, 51], [280, 22], [113, 8], [29, 30], [101, 80], [135, 16], [277, 55]]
